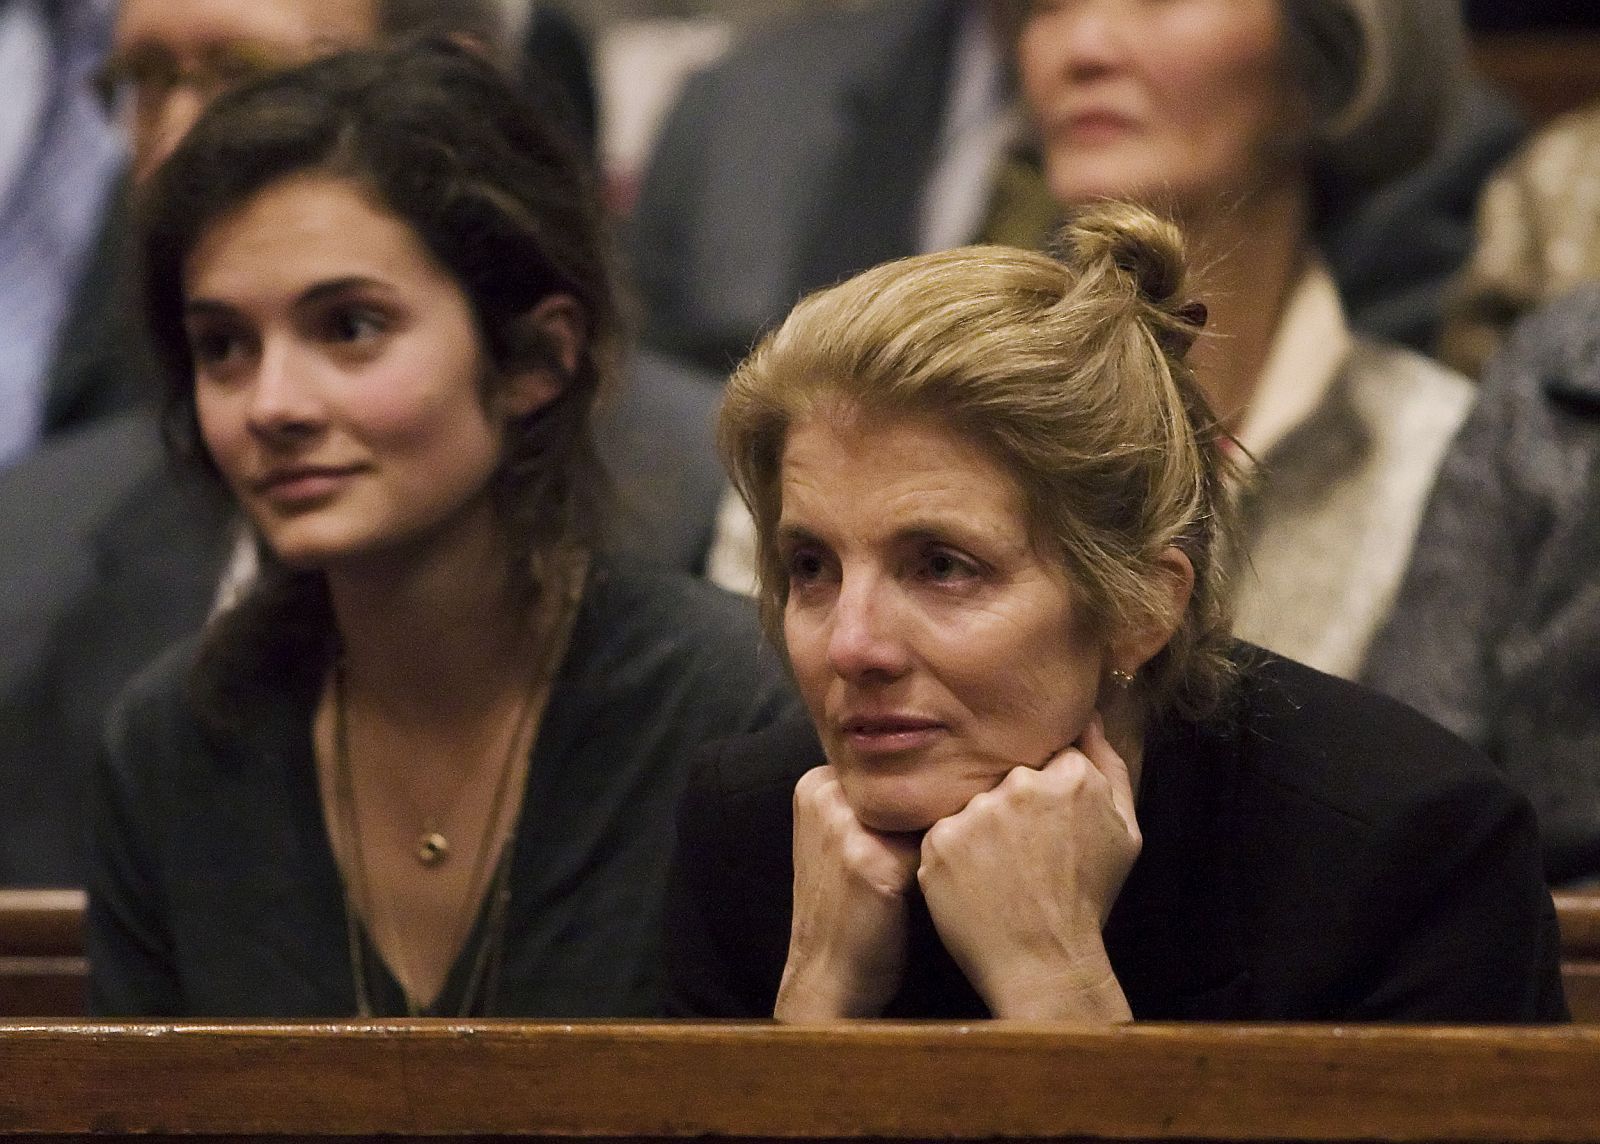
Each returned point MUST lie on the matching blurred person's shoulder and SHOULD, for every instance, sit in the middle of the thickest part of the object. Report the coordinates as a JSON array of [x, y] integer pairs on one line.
[[831, 34], [1554, 353]]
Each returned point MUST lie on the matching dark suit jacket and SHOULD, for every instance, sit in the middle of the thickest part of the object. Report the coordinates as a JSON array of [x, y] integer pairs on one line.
[[657, 438], [795, 161], [1316, 853], [103, 364], [106, 556]]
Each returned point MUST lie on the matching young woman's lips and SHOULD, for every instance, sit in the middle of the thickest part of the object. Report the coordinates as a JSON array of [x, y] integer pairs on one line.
[[303, 485], [889, 734]]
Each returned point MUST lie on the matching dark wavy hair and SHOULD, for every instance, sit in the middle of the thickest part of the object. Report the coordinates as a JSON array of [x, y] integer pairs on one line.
[[480, 21], [437, 135]]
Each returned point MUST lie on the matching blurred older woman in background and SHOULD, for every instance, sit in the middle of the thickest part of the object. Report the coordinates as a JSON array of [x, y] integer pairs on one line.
[[1255, 123]]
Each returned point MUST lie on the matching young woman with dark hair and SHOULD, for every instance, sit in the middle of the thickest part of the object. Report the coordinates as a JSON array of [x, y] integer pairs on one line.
[[427, 763]]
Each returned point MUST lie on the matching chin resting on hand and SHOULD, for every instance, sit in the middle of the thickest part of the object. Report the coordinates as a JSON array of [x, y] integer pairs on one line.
[[1021, 881], [847, 940]]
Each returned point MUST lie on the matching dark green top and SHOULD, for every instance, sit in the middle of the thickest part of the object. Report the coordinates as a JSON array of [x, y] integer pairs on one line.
[[214, 890]]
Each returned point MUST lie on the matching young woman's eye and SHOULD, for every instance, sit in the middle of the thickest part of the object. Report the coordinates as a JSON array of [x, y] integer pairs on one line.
[[216, 347], [354, 324]]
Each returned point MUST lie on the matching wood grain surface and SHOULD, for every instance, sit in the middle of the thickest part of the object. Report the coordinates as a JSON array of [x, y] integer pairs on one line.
[[888, 1081]]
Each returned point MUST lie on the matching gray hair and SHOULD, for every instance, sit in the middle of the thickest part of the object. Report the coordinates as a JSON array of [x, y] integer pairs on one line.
[[1382, 78]]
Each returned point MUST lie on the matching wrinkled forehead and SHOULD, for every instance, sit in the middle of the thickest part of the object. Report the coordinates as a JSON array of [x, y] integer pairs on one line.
[[292, 28]]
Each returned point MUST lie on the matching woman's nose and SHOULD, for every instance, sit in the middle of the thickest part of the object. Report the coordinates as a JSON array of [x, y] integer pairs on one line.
[[867, 639], [284, 396], [1080, 38]]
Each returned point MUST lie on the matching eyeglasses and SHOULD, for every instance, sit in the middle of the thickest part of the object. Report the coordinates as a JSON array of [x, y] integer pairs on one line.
[[140, 80]]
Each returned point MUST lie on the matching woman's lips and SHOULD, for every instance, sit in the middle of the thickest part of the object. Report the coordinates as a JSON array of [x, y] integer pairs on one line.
[[889, 734], [1090, 127], [302, 485]]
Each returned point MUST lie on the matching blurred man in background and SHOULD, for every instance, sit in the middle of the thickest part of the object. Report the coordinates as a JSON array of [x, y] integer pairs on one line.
[[58, 156]]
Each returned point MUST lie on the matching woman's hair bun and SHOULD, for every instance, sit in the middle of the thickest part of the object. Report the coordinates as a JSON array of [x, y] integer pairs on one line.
[[1143, 251]]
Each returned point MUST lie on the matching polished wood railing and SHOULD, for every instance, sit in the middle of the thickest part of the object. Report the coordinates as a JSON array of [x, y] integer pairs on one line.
[[1580, 952], [400, 1081]]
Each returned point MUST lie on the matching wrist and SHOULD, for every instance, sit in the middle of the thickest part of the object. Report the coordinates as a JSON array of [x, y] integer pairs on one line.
[[815, 989], [1080, 986]]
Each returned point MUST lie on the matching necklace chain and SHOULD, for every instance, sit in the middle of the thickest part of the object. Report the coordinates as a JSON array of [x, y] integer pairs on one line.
[[433, 845], [498, 888], [483, 979]]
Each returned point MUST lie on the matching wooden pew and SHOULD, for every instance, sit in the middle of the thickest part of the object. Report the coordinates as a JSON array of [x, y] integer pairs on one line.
[[43, 972], [1580, 952], [601, 1081], [42, 968]]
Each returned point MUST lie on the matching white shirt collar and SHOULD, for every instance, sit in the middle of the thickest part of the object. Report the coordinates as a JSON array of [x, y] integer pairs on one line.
[[1309, 349]]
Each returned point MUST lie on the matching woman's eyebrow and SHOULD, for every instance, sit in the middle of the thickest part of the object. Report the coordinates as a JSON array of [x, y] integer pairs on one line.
[[206, 308], [333, 287], [313, 294], [961, 530], [795, 533]]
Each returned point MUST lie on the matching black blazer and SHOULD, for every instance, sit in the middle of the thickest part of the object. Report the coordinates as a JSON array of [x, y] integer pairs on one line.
[[1317, 852]]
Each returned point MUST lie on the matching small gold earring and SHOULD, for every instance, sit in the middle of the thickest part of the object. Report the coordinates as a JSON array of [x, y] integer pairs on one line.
[[1123, 679]]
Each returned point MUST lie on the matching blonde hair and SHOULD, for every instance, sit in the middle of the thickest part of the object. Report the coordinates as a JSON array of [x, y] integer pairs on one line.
[[1069, 373]]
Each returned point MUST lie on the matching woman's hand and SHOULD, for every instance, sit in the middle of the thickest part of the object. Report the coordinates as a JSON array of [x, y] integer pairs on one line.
[[847, 940], [1021, 881]]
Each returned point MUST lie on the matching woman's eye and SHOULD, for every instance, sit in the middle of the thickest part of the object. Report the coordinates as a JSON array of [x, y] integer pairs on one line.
[[806, 566], [215, 347], [943, 566], [355, 324]]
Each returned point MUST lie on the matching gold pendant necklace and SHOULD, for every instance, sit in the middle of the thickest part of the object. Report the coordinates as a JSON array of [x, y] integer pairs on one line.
[[482, 984], [432, 847]]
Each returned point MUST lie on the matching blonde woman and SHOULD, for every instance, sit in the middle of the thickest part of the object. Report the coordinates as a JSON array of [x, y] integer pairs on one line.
[[1039, 779]]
